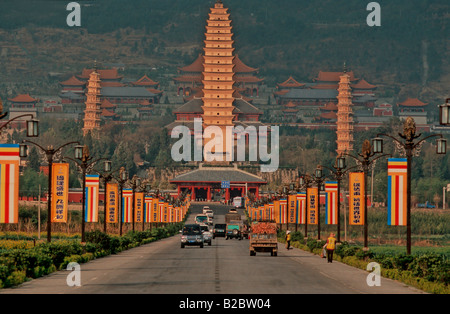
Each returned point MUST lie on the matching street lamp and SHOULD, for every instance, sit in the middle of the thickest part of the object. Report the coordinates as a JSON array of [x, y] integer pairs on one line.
[[365, 160], [305, 182], [338, 172], [49, 152], [84, 161], [318, 179], [408, 148], [444, 114], [32, 125], [123, 177]]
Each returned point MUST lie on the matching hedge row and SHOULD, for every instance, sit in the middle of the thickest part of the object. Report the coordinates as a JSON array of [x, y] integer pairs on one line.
[[19, 265], [429, 272]]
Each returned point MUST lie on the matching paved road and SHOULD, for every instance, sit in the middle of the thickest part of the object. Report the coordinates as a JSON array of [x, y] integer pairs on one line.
[[225, 267]]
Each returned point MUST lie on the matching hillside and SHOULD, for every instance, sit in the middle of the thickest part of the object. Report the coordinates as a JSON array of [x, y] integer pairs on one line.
[[408, 54]]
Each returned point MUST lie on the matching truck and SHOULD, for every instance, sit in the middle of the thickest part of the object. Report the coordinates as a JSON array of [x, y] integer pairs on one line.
[[232, 215], [263, 238]]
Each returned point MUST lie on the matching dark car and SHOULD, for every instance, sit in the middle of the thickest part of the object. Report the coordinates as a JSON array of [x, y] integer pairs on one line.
[[191, 235], [233, 231], [219, 230]]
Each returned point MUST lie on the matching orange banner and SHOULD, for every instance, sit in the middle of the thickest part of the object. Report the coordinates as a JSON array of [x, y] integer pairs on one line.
[[139, 207], [312, 206], [60, 192], [112, 199], [356, 198]]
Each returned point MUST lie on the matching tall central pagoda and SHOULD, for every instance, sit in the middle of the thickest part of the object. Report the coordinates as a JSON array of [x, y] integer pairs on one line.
[[218, 70], [344, 131]]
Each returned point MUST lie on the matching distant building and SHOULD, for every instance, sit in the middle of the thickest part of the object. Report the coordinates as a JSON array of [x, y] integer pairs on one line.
[[20, 105]]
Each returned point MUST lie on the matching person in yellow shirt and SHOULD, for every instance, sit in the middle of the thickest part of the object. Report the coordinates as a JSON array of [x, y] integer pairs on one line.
[[330, 246], [288, 239]]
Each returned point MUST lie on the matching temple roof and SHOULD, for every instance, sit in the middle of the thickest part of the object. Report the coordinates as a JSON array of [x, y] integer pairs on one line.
[[145, 81], [362, 84], [412, 102], [329, 106], [333, 76], [107, 113], [217, 175], [291, 82], [107, 104], [329, 115], [23, 98], [197, 66], [73, 81]]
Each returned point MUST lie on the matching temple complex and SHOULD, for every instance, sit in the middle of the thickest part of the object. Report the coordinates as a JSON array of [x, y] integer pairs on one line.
[[344, 114]]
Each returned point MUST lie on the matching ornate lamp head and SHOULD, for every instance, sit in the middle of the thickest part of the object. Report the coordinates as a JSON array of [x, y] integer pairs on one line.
[[409, 129]]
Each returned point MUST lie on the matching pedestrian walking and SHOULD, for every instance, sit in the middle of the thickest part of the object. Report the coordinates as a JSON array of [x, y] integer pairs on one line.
[[330, 246], [288, 239]]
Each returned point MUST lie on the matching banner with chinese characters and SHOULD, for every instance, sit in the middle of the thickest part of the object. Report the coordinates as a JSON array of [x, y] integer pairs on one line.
[[292, 209], [397, 191], [331, 202], [155, 210], [312, 206], [91, 200], [301, 207], [276, 211], [112, 194], [127, 205], [356, 198], [9, 183], [60, 192], [138, 207]]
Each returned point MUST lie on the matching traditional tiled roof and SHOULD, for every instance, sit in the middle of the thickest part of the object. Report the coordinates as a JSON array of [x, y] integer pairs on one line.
[[23, 98], [291, 82], [333, 76], [362, 84], [329, 115], [330, 106], [240, 67], [240, 106], [197, 66], [107, 113], [73, 81], [145, 81], [107, 104], [412, 102], [217, 175]]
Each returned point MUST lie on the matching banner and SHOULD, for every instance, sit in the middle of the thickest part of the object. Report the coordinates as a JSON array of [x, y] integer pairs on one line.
[[397, 191], [91, 201], [356, 198], [271, 211], [292, 209], [276, 211], [60, 192], [162, 211], [283, 210], [112, 195], [312, 206], [138, 207], [301, 207], [147, 208], [9, 183], [155, 210], [331, 202], [127, 205]]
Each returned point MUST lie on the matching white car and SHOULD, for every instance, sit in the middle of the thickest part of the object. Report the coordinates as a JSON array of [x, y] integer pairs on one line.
[[207, 234]]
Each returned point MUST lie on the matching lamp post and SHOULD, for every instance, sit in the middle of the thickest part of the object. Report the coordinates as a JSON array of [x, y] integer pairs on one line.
[[365, 160], [409, 148], [123, 177], [50, 153], [84, 161], [135, 183], [318, 179], [338, 173], [305, 182]]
